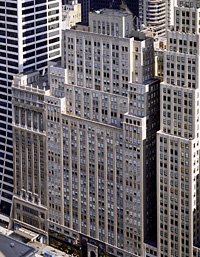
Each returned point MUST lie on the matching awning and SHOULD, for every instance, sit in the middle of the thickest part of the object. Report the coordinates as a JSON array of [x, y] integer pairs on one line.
[[27, 234]]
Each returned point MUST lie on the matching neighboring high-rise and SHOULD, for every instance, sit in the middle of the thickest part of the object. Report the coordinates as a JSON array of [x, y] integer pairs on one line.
[[29, 37], [71, 14], [152, 14], [157, 15], [178, 144], [99, 122], [29, 151], [170, 12]]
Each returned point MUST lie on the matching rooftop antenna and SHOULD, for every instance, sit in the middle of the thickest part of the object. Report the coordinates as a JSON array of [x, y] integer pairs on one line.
[[111, 4]]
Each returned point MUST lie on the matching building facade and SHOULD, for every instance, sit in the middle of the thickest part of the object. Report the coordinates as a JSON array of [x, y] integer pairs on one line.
[[155, 15], [89, 5], [178, 139], [71, 14], [100, 118], [93, 139], [29, 37], [29, 151]]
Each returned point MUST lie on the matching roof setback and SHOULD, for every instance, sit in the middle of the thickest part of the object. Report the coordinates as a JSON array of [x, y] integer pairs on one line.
[[11, 247]]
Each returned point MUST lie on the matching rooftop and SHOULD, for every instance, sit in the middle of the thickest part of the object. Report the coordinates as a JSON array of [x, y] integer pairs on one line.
[[113, 12], [10, 247], [32, 81]]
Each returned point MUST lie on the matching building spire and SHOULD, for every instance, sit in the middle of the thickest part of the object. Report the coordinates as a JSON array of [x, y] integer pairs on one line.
[[124, 6]]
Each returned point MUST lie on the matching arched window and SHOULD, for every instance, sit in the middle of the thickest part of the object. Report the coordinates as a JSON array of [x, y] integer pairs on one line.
[[92, 254]]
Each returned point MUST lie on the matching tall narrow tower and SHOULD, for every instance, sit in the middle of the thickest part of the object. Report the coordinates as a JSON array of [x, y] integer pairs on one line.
[[178, 140], [29, 37]]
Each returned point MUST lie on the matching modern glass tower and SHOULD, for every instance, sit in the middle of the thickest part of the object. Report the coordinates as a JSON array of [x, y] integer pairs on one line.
[[29, 37]]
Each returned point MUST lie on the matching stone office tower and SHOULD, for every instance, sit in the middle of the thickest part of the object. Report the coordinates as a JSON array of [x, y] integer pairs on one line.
[[178, 145], [99, 122], [112, 115], [29, 37], [29, 151]]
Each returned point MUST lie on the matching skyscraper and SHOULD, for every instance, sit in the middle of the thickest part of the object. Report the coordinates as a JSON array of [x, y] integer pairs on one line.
[[85, 150], [29, 143], [178, 143], [29, 37], [98, 121], [153, 16]]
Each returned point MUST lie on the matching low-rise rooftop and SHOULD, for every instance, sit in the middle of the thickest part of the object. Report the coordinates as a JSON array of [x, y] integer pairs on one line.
[[10, 247]]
